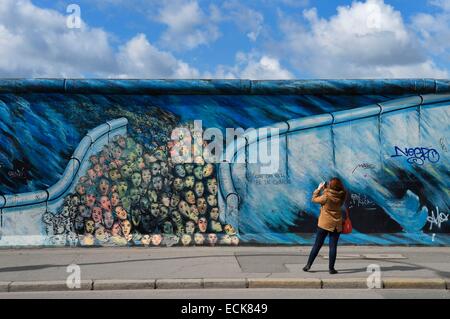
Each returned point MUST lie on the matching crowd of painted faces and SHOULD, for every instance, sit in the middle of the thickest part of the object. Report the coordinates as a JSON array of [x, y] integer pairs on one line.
[[132, 196]]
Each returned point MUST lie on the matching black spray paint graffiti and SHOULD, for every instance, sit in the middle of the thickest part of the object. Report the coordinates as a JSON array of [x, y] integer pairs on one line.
[[361, 200], [437, 219], [418, 155]]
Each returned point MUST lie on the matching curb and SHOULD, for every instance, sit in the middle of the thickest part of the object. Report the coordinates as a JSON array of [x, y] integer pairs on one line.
[[226, 283]]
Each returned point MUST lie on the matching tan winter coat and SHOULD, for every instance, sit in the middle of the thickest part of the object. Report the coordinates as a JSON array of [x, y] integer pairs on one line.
[[330, 211]]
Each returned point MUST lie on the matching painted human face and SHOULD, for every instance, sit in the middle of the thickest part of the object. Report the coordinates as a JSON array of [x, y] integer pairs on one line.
[[225, 240], [194, 212], [212, 186], [131, 157], [115, 199], [178, 184], [103, 186], [180, 171], [189, 168], [126, 227], [154, 210], [97, 214], [90, 200], [190, 227], [75, 200], [156, 239], [199, 189], [208, 170], [215, 226], [89, 226], [176, 217], [136, 217], [229, 230], [122, 188], [139, 149], [122, 142], [160, 155], [184, 208], [80, 189], [198, 173], [145, 240], [168, 228], [199, 239], [145, 203], [234, 240], [126, 202], [116, 230], [92, 174], [114, 174], [156, 169], [189, 182], [164, 212], [93, 159], [136, 179], [117, 152], [84, 211], [202, 224], [146, 176], [105, 203], [101, 235], [186, 239], [189, 197], [164, 169], [98, 170], [126, 171], [79, 224], [152, 196], [157, 183], [214, 213], [201, 205], [212, 239], [148, 159], [212, 200], [165, 200], [135, 195], [121, 213], [108, 219], [174, 200]]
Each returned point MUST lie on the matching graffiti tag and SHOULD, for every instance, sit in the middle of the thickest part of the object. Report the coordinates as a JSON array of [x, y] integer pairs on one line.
[[437, 219], [360, 200], [418, 155], [364, 166], [269, 179]]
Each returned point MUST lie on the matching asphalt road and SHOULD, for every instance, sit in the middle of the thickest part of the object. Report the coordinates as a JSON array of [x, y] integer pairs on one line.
[[238, 294]]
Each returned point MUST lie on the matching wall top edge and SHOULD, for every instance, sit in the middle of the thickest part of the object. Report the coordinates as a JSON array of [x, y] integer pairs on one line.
[[238, 87]]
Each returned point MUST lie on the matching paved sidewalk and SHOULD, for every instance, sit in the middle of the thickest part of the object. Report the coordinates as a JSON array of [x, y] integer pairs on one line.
[[222, 267]]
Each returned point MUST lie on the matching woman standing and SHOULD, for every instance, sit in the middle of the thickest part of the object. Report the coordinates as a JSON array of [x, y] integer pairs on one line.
[[330, 219]]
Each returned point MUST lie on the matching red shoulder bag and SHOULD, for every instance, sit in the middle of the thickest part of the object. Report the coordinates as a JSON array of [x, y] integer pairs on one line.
[[347, 223]]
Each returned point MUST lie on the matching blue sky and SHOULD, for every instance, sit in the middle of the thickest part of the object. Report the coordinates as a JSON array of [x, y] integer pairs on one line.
[[256, 39]]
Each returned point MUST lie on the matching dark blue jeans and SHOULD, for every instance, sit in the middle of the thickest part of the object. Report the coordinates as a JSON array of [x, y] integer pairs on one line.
[[320, 238]]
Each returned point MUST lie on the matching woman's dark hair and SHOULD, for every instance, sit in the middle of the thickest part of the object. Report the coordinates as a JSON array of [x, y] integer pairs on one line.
[[336, 184]]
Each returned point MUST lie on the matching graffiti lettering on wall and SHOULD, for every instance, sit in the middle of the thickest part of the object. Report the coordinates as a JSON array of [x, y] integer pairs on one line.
[[132, 195], [361, 200], [269, 179], [437, 218], [418, 155]]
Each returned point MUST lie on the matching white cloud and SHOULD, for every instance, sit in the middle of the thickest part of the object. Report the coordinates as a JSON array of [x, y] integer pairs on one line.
[[254, 67], [36, 42], [188, 26], [138, 58], [366, 39], [246, 19], [434, 29]]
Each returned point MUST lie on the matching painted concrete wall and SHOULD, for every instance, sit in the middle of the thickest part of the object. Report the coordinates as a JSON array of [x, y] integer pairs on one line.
[[89, 162]]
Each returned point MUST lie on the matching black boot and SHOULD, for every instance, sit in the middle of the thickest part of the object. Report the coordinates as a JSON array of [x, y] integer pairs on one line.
[[307, 268], [333, 271]]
